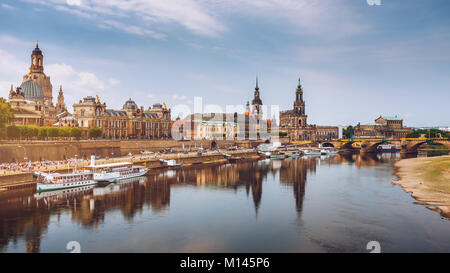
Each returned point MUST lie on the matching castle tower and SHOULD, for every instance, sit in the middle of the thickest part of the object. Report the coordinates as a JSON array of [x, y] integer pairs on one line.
[[299, 103], [299, 106], [60, 106], [37, 74], [257, 102]]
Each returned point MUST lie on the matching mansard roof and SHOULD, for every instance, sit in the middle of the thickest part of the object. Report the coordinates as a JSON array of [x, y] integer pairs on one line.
[[116, 113]]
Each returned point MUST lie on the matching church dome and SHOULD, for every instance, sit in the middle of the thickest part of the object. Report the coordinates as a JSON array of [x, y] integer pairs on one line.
[[32, 90], [37, 51], [130, 105]]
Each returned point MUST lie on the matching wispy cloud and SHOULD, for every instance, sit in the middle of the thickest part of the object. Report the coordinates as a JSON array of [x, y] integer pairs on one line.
[[329, 19], [335, 18], [147, 15], [131, 29], [6, 6]]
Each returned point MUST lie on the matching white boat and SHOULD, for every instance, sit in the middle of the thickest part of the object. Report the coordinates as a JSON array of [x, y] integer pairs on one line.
[[388, 148], [278, 155], [117, 171], [294, 154], [57, 181], [312, 152], [328, 151], [332, 151], [63, 193], [171, 163]]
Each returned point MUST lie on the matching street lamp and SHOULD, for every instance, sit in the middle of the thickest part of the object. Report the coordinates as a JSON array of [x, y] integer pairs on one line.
[[24, 151]]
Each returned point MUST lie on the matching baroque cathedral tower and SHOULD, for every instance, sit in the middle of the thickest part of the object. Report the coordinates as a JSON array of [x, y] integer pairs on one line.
[[257, 102], [61, 106], [37, 74], [299, 106]]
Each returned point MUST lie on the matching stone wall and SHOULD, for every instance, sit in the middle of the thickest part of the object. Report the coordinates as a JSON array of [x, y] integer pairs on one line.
[[60, 150]]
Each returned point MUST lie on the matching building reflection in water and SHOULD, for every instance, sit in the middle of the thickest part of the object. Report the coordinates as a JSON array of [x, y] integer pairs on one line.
[[25, 215], [293, 173]]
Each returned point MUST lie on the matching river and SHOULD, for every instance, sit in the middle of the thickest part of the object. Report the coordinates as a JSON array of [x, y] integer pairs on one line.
[[311, 204]]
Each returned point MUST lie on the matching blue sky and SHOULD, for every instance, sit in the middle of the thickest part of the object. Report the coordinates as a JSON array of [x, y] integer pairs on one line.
[[356, 61]]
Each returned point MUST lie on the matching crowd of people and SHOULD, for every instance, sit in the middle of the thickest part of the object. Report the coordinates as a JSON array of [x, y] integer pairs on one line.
[[37, 166], [8, 168]]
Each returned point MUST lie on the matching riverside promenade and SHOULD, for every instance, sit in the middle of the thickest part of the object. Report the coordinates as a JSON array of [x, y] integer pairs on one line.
[[24, 178]]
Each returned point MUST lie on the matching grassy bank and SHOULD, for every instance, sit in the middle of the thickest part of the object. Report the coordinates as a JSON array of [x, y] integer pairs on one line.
[[436, 173], [428, 181]]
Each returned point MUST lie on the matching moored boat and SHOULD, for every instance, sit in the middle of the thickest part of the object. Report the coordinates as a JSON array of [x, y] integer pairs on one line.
[[171, 163], [277, 155], [312, 152], [388, 148], [294, 154], [57, 181], [116, 171]]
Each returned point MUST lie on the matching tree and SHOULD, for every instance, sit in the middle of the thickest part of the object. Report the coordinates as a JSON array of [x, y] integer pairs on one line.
[[431, 133], [34, 131], [6, 112], [94, 132], [75, 132], [64, 132], [53, 132], [13, 132], [349, 131], [42, 132], [3, 133], [26, 131]]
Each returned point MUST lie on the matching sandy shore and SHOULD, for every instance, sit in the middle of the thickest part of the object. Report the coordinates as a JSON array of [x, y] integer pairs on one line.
[[428, 181]]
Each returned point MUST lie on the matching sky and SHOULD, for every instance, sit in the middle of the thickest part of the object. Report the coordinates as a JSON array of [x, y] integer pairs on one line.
[[356, 61]]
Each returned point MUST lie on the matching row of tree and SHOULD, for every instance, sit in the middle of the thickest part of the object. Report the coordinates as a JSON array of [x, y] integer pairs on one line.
[[349, 131], [38, 132], [429, 133], [42, 132]]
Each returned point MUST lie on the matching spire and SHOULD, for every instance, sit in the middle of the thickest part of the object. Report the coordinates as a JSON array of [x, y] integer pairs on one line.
[[37, 44], [256, 88], [60, 88], [299, 83]]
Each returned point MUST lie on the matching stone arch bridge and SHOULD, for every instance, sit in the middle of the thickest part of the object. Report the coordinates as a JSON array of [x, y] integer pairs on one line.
[[408, 145]]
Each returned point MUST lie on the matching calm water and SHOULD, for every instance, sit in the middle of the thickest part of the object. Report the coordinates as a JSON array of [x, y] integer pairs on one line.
[[335, 204]]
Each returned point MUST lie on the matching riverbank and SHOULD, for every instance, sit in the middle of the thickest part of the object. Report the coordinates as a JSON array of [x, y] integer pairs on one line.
[[152, 162], [24, 151], [428, 181]]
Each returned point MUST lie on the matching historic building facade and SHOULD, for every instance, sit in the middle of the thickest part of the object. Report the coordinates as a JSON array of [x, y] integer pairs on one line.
[[240, 126], [384, 127], [131, 122], [294, 123], [32, 102]]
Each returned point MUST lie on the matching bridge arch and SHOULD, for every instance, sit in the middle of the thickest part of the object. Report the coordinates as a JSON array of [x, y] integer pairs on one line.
[[328, 144], [373, 147], [213, 145], [348, 146], [413, 148]]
